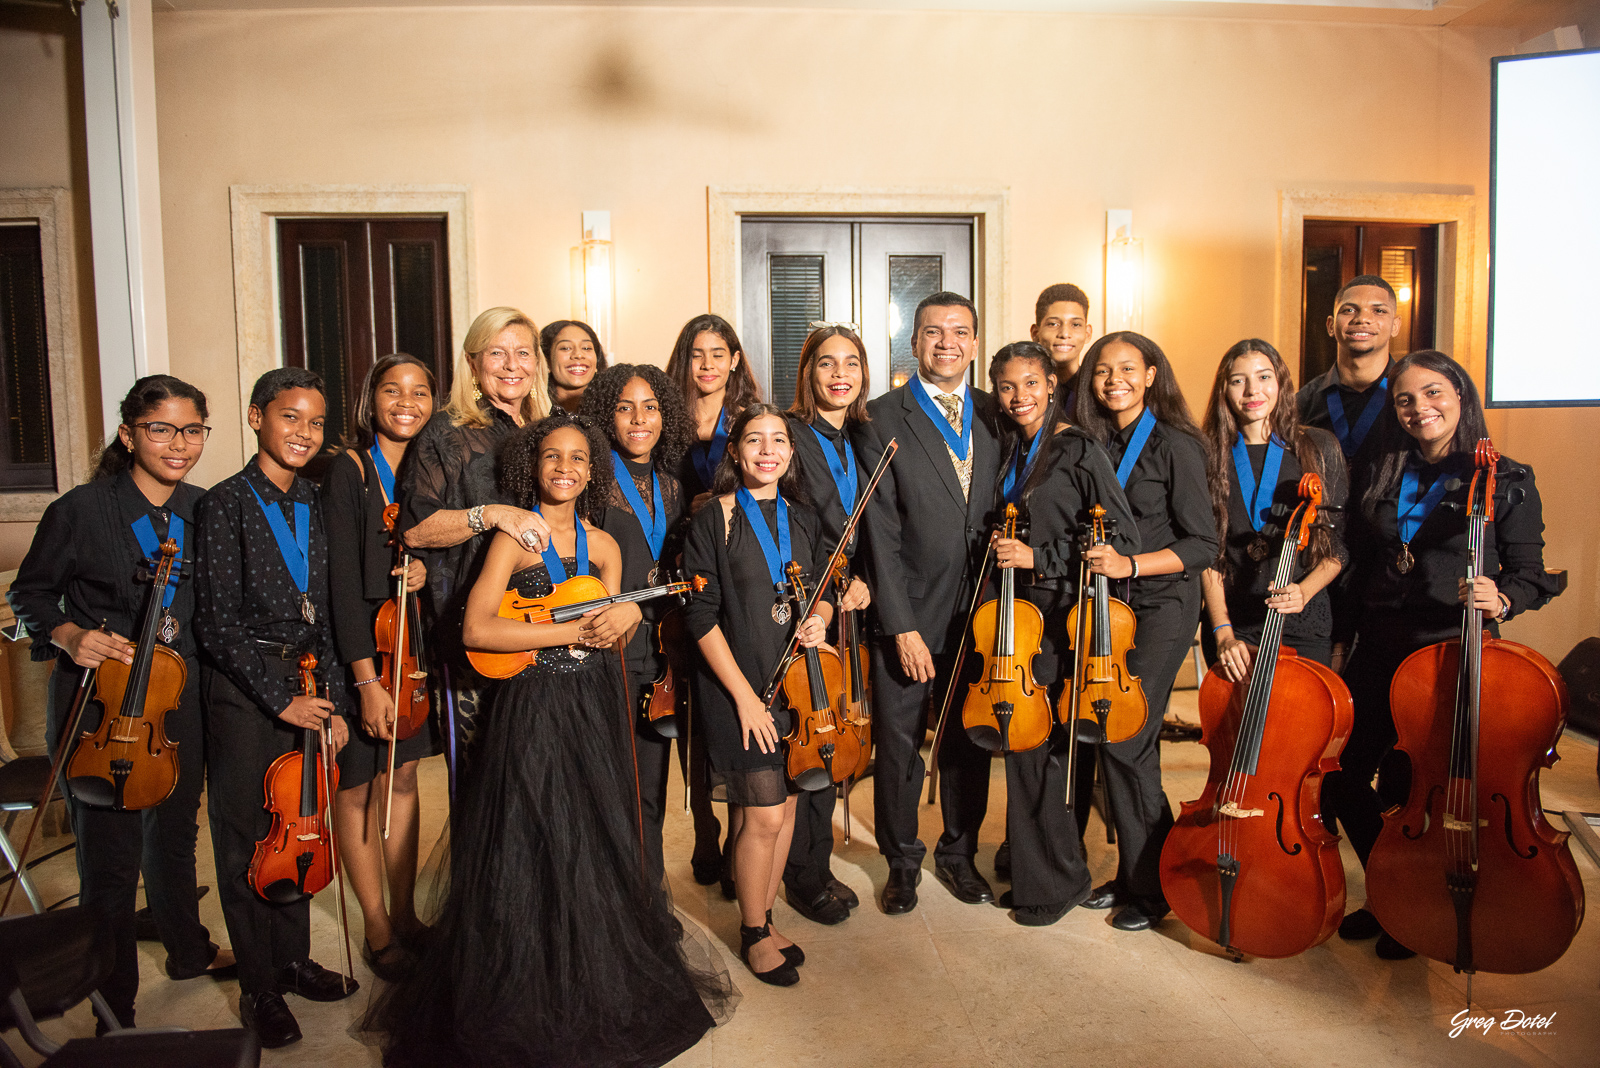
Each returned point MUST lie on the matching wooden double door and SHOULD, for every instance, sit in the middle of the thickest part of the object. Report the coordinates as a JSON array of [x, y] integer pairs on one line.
[[1404, 255]]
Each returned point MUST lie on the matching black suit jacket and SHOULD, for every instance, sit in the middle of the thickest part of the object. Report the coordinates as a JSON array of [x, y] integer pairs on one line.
[[920, 534]]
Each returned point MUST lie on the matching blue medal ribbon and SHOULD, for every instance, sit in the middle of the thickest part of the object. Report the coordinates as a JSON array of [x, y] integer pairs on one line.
[[385, 472], [844, 475], [145, 531], [1012, 480], [958, 445], [653, 523], [1141, 434], [1350, 439], [552, 559], [777, 554], [1414, 506], [708, 456], [294, 546], [1258, 499]]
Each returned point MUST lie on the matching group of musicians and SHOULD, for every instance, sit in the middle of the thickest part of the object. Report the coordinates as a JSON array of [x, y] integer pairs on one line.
[[545, 461]]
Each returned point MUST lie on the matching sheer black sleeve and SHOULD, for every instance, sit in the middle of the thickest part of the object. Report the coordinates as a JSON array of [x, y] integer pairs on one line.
[[702, 555]]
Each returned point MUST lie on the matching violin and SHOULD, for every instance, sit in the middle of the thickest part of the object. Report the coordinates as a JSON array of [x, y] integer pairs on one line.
[[1007, 711], [1467, 871], [1103, 690], [822, 749], [128, 762], [855, 694], [1249, 864], [567, 602], [666, 700], [398, 633]]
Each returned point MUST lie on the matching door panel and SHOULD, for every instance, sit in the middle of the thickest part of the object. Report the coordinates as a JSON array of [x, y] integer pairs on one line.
[[900, 264], [1402, 254]]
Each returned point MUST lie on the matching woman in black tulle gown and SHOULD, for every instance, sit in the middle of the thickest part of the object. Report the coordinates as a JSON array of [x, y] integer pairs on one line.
[[552, 948]]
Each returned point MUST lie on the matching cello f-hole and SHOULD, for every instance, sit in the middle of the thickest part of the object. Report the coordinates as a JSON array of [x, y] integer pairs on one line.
[[1511, 841], [1274, 795]]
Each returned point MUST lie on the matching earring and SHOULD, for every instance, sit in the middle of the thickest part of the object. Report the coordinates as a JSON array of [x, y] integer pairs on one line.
[[477, 394]]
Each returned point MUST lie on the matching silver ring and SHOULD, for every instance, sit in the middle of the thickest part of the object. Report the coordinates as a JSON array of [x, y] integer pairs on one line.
[[529, 538]]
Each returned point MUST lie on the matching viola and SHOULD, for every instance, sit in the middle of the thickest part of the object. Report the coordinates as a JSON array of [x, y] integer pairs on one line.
[[822, 748], [568, 601], [128, 762], [1103, 690], [297, 858], [1007, 711], [1467, 871], [1249, 864], [398, 634], [855, 694], [666, 700]]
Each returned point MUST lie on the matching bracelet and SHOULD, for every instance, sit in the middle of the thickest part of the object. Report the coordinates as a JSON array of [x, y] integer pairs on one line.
[[1505, 607], [1221, 626], [1134, 560], [475, 519], [369, 682]]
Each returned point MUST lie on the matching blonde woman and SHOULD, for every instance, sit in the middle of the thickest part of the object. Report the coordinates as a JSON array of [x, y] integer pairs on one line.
[[449, 499]]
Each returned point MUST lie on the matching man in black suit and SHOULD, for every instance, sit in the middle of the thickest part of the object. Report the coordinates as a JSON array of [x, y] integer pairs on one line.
[[925, 528]]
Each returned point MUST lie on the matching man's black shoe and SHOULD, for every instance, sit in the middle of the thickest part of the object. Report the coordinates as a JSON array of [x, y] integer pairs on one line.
[[1359, 926], [1002, 861], [1390, 949], [1139, 916], [900, 892], [961, 878], [314, 982], [268, 1016], [824, 908], [846, 895], [1103, 897]]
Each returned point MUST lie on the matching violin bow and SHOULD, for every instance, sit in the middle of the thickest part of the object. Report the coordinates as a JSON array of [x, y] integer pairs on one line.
[[955, 673], [633, 740], [325, 735], [820, 588], [396, 666]]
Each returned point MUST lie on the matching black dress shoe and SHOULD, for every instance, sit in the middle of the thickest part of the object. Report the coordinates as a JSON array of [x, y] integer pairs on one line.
[[784, 974], [961, 878], [845, 895], [791, 952], [1359, 926], [314, 982], [392, 963], [1390, 949], [268, 1016], [824, 908], [1103, 897], [1002, 861], [900, 892], [1139, 916]]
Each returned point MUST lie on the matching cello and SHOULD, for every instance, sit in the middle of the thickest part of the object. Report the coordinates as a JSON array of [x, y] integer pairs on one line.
[[856, 696], [128, 762], [1249, 864], [1467, 871], [398, 636], [823, 749], [1103, 690], [1007, 710]]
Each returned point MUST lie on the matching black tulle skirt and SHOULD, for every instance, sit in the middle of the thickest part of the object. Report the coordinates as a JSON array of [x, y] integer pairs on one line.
[[550, 946]]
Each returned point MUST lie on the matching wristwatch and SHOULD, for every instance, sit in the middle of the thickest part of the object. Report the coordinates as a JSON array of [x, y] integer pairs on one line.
[[475, 519], [1505, 608]]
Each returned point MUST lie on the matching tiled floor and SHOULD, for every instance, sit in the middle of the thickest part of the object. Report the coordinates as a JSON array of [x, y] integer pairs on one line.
[[961, 986]]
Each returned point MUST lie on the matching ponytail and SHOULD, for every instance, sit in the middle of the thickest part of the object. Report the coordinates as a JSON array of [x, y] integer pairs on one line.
[[145, 395]]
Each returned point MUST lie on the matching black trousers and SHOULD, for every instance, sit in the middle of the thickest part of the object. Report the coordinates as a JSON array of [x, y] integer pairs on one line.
[[653, 755], [1168, 612], [807, 871], [1047, 863], [242, 741], [114, 848], [898, 724]]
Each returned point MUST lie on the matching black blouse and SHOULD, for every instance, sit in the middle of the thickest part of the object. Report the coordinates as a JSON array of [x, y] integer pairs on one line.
[[1169, 495], [617, 519], [243, 591], [1245, 581], [84, 561], [818, 479], [1071, 474], [1426, 600], [360, 555], [1312, 401]]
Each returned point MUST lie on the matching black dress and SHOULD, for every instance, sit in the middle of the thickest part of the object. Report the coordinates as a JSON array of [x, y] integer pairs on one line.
[[552, 947], [739, 597], [360, 558]]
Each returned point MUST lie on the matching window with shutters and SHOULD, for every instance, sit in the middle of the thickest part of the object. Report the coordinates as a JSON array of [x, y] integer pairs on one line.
[[27, 448]]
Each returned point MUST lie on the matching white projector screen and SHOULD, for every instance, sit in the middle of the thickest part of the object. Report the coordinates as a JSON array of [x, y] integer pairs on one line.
[[1544, 231]]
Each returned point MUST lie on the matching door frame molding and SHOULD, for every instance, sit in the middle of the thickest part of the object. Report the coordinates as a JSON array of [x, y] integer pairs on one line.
[[1454, 214], [254, 210], [988, 206]]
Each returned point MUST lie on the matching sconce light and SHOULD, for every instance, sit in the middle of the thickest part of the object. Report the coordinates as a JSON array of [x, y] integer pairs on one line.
[[1124, 273], [594, 278]]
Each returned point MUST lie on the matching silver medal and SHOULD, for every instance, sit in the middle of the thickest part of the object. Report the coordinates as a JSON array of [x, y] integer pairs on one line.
[[654, 578], [780, 613], [169, 628], [1259, 549], [307, 612]]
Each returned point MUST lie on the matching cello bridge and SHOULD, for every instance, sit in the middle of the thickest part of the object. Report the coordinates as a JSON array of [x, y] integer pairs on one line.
[[1231, 808], [1451, 823]]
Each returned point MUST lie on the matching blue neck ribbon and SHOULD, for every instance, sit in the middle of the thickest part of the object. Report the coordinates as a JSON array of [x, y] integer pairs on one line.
[[777, 554], [844, 475], [1415, 506], [708, 455], [1141, 434], [552, 559], [1012, 487], [958, 445], [654, 523], [1350, 439], [385, 472], [1258, 499], [294, 546], [145, 531]]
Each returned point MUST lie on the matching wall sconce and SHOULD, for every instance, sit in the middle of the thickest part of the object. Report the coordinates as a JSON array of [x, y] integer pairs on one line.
[[594, 278], [1124, 273]]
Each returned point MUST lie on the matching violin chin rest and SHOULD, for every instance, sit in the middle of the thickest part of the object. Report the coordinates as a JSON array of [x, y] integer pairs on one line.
[[283, 892], [985, 737], [93, 790]]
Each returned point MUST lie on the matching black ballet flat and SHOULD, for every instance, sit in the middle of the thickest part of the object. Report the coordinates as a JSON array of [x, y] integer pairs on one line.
[[791, 953], [784, 974]]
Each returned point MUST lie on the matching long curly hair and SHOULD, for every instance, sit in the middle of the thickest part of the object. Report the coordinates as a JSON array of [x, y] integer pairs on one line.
[[1221, 428], [600, 406], [1164, 398], [729, 477], [518, 463]]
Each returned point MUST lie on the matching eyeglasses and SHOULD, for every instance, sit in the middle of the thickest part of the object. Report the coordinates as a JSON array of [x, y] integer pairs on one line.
[[194, 433], [821, 325]]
